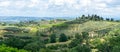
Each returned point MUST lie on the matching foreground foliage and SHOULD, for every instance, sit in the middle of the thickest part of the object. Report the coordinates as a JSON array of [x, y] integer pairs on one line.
[[4, 48]]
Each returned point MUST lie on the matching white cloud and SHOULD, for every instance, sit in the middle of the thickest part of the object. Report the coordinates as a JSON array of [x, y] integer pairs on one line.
[[19, 4], [63, 6], [106, 1], [57, 2], [5, 3], [33, 3]]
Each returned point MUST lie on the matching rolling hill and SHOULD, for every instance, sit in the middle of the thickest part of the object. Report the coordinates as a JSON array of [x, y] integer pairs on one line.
[[90, 26]]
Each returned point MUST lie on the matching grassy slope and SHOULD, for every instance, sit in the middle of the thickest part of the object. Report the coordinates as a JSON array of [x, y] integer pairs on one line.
[[33, 28], [73, 28], [87, 26]]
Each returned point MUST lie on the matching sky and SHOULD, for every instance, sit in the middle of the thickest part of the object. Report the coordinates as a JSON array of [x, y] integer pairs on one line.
[[59, 8]]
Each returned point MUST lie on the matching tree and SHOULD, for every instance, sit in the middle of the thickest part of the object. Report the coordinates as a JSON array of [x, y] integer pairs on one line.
[[62, 38], [36, 43], [107, 19], [74, 43], [3, 24], [81, 48], [85, 35], [78, 36], [34, 47], [101, 18], [111, 19], [116, 49], [45, 50], [32, 22], [53, 38], [83, 17], [15, 42], [38, 33], [104, 47], [115, 43], [4, 48], [78, 40], [13, 29], [20, 24]]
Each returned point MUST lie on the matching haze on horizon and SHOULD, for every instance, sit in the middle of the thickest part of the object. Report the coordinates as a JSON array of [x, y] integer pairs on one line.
[[59, 8]]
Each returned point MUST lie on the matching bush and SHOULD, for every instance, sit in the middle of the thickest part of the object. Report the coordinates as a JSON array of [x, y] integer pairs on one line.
[[15, 42], [62, 38], [81, 48], [57, 46], [26, 30], [116, 49], [74, 43], [34, 47], [53, 38], [53, 47], [85, 35], [45, 50], [13, 29], [4, 48]]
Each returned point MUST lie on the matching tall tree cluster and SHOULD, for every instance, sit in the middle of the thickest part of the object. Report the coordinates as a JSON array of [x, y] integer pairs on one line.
[[92, 17], [62, 38]]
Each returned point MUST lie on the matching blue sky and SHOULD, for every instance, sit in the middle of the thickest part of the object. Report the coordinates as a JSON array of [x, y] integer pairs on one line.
[[59, 8]]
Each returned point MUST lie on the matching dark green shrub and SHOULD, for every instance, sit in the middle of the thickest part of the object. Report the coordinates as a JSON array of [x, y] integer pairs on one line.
[[62, 38]]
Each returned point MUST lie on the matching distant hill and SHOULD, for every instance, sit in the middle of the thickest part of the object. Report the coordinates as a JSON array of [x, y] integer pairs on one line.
[[19, 18]]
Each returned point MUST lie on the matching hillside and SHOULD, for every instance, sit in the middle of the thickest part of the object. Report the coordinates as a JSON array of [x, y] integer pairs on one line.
[[86, 33], [87, 27], [94, 28]]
